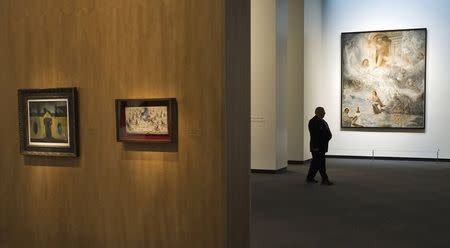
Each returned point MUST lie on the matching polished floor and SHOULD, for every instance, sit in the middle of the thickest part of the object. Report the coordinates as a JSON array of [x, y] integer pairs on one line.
[[374, 203]]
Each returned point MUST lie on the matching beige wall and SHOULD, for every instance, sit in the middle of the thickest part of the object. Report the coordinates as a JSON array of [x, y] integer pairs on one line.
[[118, 195], [269, 84], [277, 99], [263, 84]]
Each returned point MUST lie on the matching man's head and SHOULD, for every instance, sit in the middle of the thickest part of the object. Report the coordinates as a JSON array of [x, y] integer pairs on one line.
[[320, 112]]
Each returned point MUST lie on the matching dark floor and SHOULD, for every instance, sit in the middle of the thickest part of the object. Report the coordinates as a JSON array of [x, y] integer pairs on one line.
[[375, 203]]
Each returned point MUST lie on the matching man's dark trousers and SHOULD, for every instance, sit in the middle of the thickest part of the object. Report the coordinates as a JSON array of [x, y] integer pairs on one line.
[[317, 164]]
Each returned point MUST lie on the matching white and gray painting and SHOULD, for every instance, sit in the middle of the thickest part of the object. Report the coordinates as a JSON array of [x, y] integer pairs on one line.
[[383, 79], [147, 120]]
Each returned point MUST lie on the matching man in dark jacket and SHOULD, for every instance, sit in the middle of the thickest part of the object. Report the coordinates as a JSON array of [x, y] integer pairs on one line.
[[320, 136]]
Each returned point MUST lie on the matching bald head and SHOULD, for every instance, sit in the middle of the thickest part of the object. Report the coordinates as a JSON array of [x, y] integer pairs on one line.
[[320, 112]]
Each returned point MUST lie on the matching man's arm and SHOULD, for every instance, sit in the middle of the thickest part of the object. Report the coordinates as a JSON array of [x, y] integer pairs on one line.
[[314, 130], [327, 131]]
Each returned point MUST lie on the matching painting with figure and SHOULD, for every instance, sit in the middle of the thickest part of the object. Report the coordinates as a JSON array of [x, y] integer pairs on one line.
[[383, 79], [146, 120], [152, 120], [48, 122]]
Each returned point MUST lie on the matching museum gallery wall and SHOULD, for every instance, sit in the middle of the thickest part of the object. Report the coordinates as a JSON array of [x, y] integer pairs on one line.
[[391, 133], [383, 79]]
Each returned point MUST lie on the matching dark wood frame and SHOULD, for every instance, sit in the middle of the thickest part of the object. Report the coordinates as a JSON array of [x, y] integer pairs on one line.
[[71, 94], [121, 134], [391, 129]]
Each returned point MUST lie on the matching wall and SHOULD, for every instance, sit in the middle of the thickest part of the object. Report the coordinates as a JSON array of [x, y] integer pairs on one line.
[[295, 77], [263, 87], [268, 84], [351, 15], [313, 83], [282, 84], [114, 194]]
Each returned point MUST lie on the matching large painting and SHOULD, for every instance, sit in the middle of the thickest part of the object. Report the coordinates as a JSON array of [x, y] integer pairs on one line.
[[383, 79], [146, 120], [48, 121]]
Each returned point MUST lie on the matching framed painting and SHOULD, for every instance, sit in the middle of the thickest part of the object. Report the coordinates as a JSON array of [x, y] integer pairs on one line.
[[383, 75], [146, 120], [48, 122]]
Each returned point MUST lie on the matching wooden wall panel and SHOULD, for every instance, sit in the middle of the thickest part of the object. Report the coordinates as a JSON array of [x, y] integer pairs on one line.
[[116, 195]]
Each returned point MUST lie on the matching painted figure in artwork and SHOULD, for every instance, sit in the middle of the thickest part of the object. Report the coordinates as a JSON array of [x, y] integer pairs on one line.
[[48, 123], [346, 119], [382, 45], [377, 105], [351, 119], [365, 63]]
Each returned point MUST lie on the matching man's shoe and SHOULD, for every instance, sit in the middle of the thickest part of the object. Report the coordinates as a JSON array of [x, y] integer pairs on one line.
[[311, 180], [327, 182]]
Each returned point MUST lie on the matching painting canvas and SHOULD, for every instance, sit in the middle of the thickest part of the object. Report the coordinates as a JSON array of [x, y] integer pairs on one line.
[[146, 120], [48, 121], [383, 78]]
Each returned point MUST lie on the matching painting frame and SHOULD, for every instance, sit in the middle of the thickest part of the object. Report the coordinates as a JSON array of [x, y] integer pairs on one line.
[[151, 120], [392, 62], [48, 122]]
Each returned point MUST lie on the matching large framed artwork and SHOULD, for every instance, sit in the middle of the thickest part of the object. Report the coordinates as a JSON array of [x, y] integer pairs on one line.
[[383, 78], [48, 122], [146, 120]]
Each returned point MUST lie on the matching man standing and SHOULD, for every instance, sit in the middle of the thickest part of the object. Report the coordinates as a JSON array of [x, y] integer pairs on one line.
[[320, 136]]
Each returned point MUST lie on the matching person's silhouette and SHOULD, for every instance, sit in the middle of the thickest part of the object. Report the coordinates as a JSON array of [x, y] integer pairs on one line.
[[320, 136]]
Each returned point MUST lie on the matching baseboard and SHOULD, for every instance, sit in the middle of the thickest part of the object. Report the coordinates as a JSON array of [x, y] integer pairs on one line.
[[282, 170], [298, 162], [389, 158], [295, 162]]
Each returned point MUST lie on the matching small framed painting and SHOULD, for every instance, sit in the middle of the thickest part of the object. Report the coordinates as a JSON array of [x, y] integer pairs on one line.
[[48, 122], [146, 120]]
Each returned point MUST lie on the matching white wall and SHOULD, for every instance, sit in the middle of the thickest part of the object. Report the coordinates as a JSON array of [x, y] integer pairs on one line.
[[268, 84], [313, 83], [324, 88], [295, 76]]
